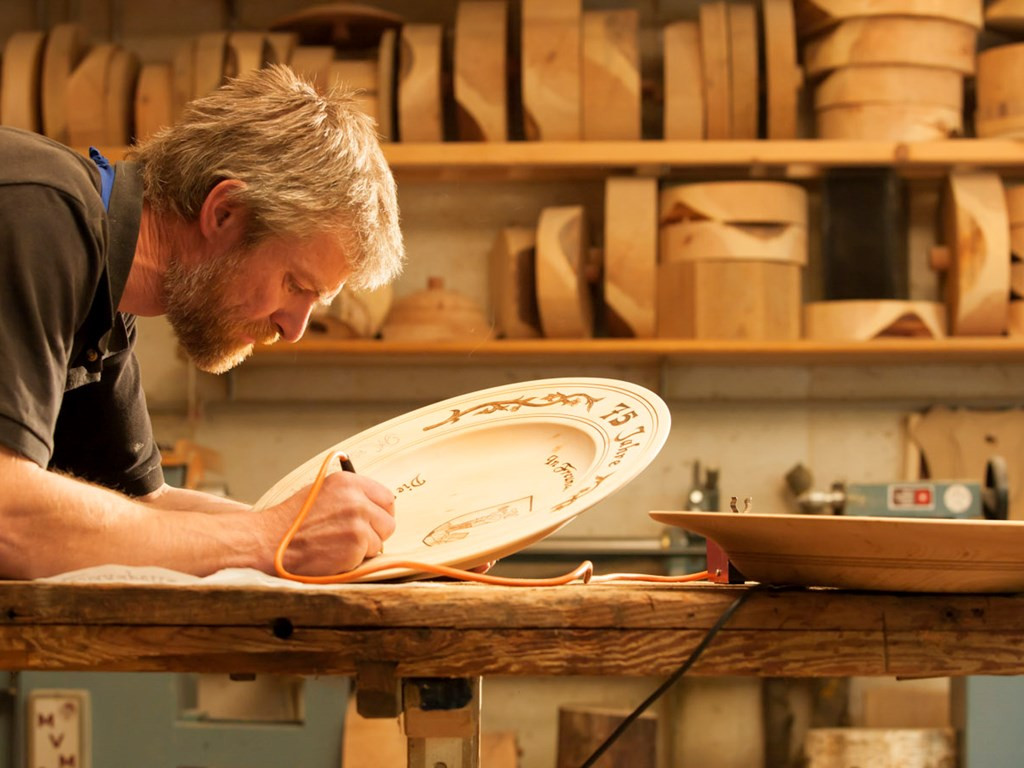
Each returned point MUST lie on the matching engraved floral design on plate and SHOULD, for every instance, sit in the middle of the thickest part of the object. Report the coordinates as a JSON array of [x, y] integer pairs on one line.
[[482, 475]]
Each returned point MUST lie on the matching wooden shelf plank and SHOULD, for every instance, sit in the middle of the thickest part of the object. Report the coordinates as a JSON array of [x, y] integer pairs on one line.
[[522, 158], [888, 351]]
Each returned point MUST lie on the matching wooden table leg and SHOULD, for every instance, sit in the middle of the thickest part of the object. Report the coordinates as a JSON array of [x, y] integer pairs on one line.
[[442, 721]]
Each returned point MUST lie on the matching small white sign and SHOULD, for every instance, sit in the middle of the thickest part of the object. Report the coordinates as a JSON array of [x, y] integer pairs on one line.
[[58, 729]]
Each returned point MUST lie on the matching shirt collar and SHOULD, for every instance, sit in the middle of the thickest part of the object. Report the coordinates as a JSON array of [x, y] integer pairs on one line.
[[124, 218]]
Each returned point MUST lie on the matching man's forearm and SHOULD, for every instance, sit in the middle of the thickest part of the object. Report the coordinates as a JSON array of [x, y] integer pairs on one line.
[[169, 497]]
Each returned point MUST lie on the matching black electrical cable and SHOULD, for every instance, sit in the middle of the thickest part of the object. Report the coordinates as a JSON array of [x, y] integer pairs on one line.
[[671, 680]]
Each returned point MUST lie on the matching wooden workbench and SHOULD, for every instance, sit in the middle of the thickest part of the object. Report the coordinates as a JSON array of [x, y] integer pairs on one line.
[[397, 632]]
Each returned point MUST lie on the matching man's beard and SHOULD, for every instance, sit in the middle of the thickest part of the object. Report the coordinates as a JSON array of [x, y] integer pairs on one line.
[[210, 330]]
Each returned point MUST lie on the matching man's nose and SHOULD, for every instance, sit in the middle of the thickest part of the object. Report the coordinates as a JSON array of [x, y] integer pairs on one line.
[[291, 321]]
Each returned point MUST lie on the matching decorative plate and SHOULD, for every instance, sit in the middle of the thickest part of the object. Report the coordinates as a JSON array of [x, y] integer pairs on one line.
[[482, 475], [877, 553]]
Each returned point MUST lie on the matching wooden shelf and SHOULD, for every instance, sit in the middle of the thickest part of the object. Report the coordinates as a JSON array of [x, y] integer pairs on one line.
[[796, 158], [886, 352]]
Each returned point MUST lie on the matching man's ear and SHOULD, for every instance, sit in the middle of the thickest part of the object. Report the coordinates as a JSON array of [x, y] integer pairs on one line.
[[222, 218]]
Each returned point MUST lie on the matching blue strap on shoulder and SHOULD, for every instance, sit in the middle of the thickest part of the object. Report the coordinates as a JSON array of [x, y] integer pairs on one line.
[[106, 175]]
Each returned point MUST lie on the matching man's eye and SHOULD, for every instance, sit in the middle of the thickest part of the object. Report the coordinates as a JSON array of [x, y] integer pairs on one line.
[[293, 286]]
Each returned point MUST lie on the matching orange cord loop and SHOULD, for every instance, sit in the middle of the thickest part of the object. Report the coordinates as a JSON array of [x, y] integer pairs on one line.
[[584, 571]]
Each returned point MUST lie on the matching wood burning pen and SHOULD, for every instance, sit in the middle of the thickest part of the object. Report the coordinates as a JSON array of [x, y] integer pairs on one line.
[[346, 464]]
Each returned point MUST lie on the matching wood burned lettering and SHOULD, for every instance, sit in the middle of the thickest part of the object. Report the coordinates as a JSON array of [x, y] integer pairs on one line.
[[563, 468], [459, 528], [619, 416], [416, 482]]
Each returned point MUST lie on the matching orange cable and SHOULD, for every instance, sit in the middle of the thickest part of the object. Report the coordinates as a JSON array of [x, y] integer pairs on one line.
[[584, 570]]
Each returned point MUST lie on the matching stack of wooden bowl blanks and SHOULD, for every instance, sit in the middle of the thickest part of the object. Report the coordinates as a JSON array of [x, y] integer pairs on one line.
[[890, 70], [1015, 214], [999, 108], [436, 314], [731, 260], [975, 257], [713, 79]]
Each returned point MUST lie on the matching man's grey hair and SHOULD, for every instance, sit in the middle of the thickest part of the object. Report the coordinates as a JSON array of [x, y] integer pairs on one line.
[[310, 160]]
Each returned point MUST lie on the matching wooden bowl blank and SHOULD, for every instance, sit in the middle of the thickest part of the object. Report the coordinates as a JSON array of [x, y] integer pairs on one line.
[[740, 202], [1000, 93], [563, 292], [420, 111], [481, 70], [890, 84], [889, 122], [816, 15], [783, 76], [684, 92], [66, 45], [610, 106], [864, 319], [716, 240], [1005, 16], [892, 40], [21, 79], [551, 56]]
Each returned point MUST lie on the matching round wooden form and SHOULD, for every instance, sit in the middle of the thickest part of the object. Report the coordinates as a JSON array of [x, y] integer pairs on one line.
[[420, 114], [481, 70], [184, 65], [714, 50], [1000, 96], [1017, 241], [66, 45], [387, 66], [610, 75], [889, 122], [313, 63], [154, 99], [716, 240], [362, 313], [816, 15], [1005, 15], [864, 319], [551, 54], [743, 65], [210, 62], [630, 256], [977, 235], [247, 51], [87, 97], [20, 80], [122, 77], [738, 202], [342, 25], [893, 40], [563, 293], [513, 283], [783, 76], [891, 84], [1015, 324], [684, 90]]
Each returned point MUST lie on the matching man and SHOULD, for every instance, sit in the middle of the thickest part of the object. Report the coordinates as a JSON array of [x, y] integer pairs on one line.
[[260, 203]]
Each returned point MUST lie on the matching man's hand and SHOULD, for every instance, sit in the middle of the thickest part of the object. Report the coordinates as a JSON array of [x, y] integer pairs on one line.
[[350, 520]]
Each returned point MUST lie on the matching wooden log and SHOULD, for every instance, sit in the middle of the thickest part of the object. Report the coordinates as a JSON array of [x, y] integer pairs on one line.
[[582, 729], [684, 90], [551, 77], [610, 75]]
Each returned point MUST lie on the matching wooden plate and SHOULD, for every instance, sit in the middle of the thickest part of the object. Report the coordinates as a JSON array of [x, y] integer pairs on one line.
[[481, 70], [482, 475], [877, 553]]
